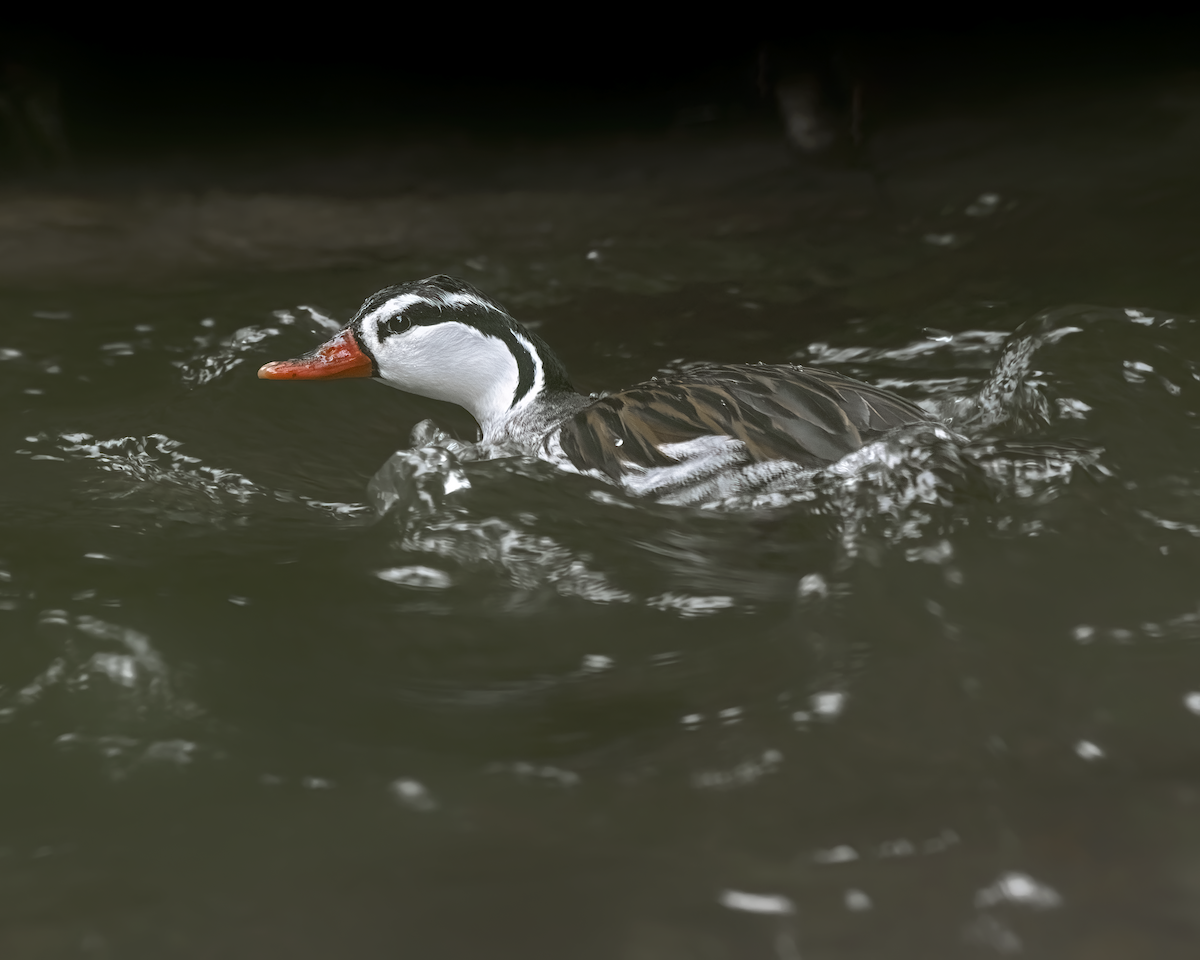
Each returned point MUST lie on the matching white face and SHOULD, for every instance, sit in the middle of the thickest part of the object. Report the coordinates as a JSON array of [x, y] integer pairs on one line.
[[448, 361]]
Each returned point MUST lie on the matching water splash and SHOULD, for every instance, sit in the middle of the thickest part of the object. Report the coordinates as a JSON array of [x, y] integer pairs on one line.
[[152, 477], [910, 489], [104, 670], [215, 359], [157, 460]]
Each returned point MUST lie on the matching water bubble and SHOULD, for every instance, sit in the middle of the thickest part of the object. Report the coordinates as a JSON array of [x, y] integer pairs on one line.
[[178, 752], [416, 577], [812, 585], [857, 901], [741, 775], [119, 668], [1134, 371], [843, 853], [984, 205], [756, 902], [1021, 888], [412, 794], [1088, 750], [828, 704], [897, 848], [689, 606], [1072, 409]]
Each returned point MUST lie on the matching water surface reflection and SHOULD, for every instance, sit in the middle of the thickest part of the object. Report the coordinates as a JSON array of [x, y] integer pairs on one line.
[[270, 686]]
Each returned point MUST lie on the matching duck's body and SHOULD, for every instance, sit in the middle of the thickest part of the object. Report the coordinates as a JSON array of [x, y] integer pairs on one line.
[[712, 432]]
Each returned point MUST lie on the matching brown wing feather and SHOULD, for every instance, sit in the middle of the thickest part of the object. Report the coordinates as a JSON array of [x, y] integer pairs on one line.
[[807, 416]]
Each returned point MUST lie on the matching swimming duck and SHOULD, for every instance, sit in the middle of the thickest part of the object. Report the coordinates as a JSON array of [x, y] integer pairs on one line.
[[712, 432]]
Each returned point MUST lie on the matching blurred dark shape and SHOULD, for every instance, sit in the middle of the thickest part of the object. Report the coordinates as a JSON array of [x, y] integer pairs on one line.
[[31, 110], [818, 87]]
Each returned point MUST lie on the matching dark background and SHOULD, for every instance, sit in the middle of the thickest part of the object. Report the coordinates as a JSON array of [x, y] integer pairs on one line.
[[202, 82]]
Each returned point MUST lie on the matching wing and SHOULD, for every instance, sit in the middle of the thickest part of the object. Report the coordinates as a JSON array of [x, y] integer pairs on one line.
[[775, 413]]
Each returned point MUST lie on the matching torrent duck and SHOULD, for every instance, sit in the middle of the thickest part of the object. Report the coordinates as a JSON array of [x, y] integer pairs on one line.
[[709, 433]]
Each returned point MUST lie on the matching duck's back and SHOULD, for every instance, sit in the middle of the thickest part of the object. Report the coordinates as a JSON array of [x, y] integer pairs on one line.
[[728, 417]]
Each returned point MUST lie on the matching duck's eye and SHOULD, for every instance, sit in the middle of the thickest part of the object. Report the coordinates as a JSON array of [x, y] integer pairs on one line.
[[396, 323]]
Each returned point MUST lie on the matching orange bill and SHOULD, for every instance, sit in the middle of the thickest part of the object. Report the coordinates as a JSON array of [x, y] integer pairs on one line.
[[338, 358]]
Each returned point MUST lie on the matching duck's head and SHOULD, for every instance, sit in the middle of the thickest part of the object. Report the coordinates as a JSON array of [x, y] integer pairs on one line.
[[439, 338]]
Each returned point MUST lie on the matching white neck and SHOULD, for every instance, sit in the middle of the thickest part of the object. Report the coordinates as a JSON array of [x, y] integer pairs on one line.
[[456, 362]]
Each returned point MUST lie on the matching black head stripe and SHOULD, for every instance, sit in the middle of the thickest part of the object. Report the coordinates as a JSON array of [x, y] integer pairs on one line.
[[357, 335], [526, 371], [418, 313], [443, 298]]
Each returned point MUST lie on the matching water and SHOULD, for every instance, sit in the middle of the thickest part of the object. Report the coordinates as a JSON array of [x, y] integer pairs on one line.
[[942, 701]]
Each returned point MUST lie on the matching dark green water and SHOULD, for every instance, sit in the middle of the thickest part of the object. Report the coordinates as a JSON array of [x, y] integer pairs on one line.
[[945, 704]]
